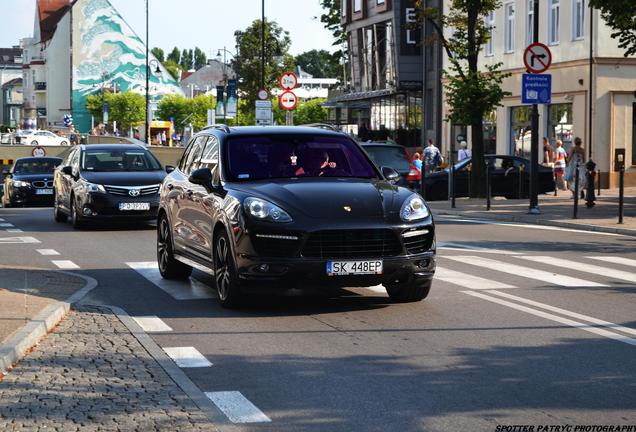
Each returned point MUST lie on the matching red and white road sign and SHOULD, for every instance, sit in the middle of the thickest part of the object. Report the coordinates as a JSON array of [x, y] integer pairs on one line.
[[537, 58], [288, 81], [38, 152], [288, 100], [262, 94]]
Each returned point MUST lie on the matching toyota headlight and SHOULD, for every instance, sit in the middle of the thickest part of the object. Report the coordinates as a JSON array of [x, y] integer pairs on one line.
[[265, 210], [92, 187], [20, 183], [414, 208]]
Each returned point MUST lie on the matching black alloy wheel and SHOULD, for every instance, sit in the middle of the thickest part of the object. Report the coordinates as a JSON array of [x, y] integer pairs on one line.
[[225, 275], [75, 218], [408, 292], [57, 214], [169, 267]]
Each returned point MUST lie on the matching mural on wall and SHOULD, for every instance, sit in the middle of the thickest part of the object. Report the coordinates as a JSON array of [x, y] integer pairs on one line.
[[107, 54]]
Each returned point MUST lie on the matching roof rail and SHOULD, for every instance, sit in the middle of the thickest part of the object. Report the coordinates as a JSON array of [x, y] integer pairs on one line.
[[323, 126], [225, 128]]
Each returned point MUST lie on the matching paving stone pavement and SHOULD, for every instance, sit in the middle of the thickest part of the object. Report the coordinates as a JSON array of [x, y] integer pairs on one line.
[[91, 374]]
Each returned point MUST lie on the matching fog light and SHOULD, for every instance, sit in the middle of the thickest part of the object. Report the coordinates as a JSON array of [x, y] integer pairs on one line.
[[264, 268], [422, 263], [87, 211]]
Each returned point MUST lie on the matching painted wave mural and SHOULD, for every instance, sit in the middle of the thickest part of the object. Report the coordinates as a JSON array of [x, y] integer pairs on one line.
[[108, 54]]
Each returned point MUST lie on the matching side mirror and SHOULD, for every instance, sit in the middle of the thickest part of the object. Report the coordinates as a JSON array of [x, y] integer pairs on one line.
[[203, 177], [390, 174], [68, 170], [169, 168]]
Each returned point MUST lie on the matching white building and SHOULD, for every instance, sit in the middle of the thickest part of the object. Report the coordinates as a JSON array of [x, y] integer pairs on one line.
[[10, 70], [564, 25]]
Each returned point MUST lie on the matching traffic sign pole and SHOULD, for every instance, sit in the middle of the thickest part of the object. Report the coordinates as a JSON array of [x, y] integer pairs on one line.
[[534, 144]]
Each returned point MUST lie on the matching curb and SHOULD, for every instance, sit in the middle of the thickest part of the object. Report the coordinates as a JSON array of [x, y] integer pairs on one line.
[[529, 220], [14, 349]]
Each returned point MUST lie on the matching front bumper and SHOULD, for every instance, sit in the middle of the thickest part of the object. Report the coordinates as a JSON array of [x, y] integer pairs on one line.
[[26, 195], [106, 207]]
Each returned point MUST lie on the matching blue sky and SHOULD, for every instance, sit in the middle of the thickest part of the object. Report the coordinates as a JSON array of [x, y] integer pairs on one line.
[[209, 24]]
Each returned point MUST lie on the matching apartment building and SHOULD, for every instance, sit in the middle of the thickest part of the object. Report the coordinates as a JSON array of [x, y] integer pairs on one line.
[[10, 70]]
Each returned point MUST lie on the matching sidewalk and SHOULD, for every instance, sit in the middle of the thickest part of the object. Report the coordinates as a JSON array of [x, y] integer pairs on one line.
[[555, 211]]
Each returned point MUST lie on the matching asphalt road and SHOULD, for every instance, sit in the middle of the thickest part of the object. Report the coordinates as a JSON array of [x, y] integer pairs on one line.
[[545, 336]]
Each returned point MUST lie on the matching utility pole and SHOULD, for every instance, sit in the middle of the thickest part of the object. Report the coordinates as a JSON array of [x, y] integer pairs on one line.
[[146, 135], [534, 143], [263, 45], [590, 105]]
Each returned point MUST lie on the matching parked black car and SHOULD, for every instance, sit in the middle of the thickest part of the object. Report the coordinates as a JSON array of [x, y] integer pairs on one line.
[[29, 182], [107, 182], [509, 177], [291, 207], [394, 156]]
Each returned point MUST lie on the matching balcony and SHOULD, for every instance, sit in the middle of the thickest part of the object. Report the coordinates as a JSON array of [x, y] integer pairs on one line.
[[40, 86]]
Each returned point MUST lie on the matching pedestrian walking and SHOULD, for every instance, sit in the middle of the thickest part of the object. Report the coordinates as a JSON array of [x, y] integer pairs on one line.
[[432, 157], [463, 152], [576, 156], [549, 154], [417, 161], [560, 161], [164, 139]]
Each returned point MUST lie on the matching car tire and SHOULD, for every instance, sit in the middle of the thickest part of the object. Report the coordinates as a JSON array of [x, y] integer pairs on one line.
[[408, 292], [64, 143], [76, 220], [169, 267], [226, 278], [57, 214], [34, 143]]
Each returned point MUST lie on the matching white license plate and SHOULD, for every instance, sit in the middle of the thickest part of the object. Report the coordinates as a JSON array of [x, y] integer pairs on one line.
[[339, 268], [134, 206], [44, 191]]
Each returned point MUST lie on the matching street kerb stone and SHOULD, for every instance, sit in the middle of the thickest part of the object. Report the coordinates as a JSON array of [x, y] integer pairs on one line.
[[32, 302]]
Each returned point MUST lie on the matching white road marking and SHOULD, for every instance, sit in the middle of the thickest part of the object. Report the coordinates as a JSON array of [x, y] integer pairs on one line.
[[527, 272], [551, 317], [65, 264], [616, 260], [6, 225], [14, 230], [585, 268], [190, 289], [152, 324], [47, 252], [237, 407], [187, 357], [529, 226], [571, 314], [468, 281], [18, 240], [466, 248]]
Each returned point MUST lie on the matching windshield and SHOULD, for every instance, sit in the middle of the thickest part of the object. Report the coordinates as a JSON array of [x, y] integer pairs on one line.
[[389, 156], [35, 166], [288, 156], [119, 160]]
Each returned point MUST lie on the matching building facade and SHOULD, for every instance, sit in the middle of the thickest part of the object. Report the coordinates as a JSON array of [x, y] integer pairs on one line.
[[12, 101], [564, 26], [80, 48], [10, 70]]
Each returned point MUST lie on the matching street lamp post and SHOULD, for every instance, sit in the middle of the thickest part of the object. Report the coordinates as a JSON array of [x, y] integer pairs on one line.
[[225, 80], [263, 45], [534, 144], [146, 134]]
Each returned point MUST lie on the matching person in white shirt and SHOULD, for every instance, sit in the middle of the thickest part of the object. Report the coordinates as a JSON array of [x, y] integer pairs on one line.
[[463, 152]]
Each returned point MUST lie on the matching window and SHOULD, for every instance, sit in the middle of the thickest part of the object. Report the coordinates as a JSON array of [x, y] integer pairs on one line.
[[194, 155], [380, 2], [357, 6], [578, 19], [490, 22], [530, 23], [343, 9], [509, 9], [554, 25]]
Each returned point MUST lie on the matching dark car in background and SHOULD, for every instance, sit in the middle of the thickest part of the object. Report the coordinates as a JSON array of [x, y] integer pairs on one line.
[[396, 157], [29, 182], [107, 182], [509, 178], [269, 209]]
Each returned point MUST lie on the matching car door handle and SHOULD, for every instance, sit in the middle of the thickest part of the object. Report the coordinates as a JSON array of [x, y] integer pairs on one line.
[[170, 186]]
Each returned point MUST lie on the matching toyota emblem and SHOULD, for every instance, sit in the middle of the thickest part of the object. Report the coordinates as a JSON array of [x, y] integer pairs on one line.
[[134, 192]]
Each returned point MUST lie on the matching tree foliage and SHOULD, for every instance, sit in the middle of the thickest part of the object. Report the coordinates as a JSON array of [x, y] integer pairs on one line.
[[310, 111], [620, 15], [127, 108], [173, 68], [332, 20], [186, 59], [200, 59], [175, 55], [470, 92], [248, 65], [158, 53], [320, 63], [185, 110]]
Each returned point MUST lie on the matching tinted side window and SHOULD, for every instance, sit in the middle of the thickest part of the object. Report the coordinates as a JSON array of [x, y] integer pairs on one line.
[[194, 155], [69, 157], [184, 157]]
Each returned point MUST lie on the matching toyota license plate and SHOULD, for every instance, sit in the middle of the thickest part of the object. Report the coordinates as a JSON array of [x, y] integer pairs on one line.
[[44, 191], [134, 206], [342, 268]]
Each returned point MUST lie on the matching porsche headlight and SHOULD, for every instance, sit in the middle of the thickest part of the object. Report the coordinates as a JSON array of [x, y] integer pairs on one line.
[[414, 208], [265, 210]]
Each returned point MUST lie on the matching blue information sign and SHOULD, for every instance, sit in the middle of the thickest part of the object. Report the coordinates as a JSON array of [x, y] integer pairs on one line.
[[536, 89]]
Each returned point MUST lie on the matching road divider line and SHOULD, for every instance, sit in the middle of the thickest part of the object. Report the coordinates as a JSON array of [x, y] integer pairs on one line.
[[565, 312], [556, 318], [585, 268], [65, 264], [152, 324], [468, 281], [18, 240], [237, 407], [47, 252], [527, 272], [187, 357], [528, 226], [14, 230], [616, 260], [190, 289]]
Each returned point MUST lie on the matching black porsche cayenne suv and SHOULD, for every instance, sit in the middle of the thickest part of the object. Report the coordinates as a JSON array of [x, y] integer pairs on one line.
[[291, 207]]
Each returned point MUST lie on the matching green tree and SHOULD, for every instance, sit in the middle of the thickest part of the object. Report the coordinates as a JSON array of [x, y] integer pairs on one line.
[[310, 111], [174, 68], [186, 59], [158, 53], [185, 111], [248, 65], [126, 108], [620, 16], [470, 92], [175, 55], [200, 58], [331, 18], [320, 63]]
